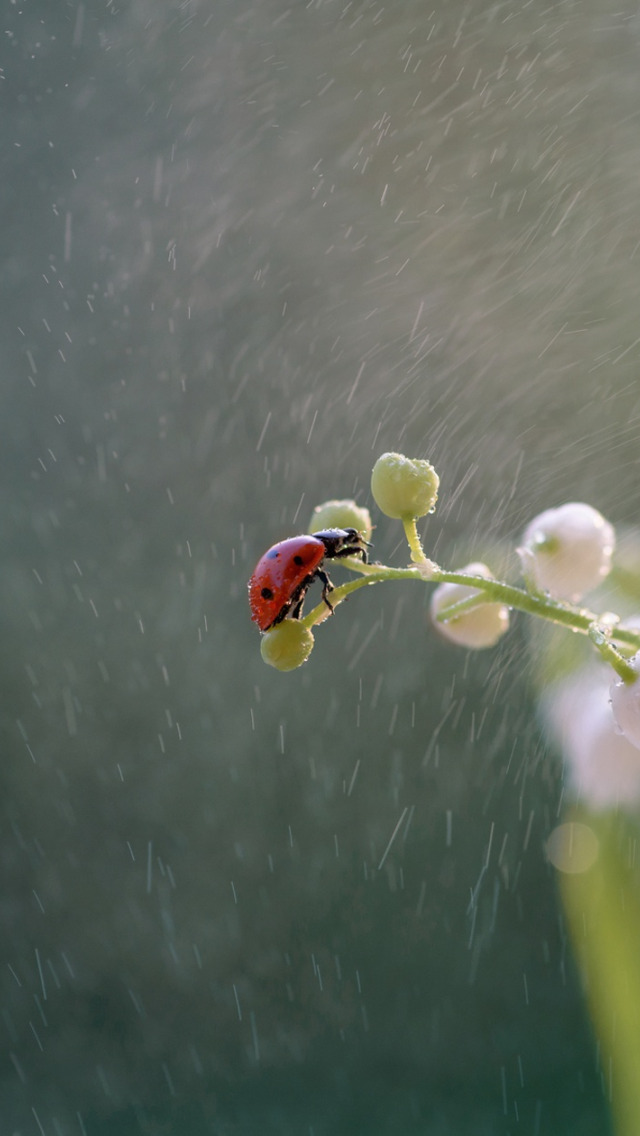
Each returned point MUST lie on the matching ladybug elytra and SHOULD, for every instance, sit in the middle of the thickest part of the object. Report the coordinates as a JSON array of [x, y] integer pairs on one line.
[[282, 576]]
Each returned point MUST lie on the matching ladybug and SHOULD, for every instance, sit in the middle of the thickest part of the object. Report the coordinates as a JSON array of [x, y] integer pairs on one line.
[[282, 576]]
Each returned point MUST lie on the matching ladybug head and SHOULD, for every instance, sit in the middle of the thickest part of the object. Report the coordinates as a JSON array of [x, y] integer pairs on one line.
[[342, 542]]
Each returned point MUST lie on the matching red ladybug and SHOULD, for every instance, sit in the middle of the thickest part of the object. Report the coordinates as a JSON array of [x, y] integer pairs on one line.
[[282, 576]]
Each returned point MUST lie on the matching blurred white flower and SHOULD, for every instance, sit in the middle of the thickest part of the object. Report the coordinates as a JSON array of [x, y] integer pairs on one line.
[[602, 765], [567, 551], [625, 704], [482, 626]]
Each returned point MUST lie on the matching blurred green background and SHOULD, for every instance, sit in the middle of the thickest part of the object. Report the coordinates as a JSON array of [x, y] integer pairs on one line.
[[247, 247]]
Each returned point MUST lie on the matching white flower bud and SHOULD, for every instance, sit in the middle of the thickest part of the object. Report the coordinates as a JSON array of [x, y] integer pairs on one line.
[[625, 703], [567, 551], [479, 627], [603, 767]]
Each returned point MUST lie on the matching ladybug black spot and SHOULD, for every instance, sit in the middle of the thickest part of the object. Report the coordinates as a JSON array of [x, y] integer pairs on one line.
[[298, 560], [266, 594]]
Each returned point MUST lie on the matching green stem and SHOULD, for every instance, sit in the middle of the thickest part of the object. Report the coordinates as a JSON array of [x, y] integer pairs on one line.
[[603, 912], [576, 619], [460, 607], [495, 591], [413, 540], [611, 655], [372, 574]]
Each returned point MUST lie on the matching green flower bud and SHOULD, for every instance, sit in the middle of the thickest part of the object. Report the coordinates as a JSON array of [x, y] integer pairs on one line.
[[404, 488], [287, 645], [341, 515]]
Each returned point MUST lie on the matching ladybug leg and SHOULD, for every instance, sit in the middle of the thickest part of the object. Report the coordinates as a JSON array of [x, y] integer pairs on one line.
[[296, 611], [298, 598], [327, 587]]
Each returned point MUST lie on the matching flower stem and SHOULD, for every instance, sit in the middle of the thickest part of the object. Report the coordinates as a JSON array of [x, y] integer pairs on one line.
[[603, 913], [371, 574], [611, 655], [576, 619], [413, 540]]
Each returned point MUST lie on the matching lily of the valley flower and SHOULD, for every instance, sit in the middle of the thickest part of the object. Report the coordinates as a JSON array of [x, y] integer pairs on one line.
[[567, 551], [480, 626]]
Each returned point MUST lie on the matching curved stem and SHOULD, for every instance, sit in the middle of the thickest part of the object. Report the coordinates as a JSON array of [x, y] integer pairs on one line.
[[460, 607], [576, 619], [371, 574], [603, 914], [611, 655], [496, 591], [414, 542]]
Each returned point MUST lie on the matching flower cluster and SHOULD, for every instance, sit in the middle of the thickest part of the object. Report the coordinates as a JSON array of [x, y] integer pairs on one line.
[[564, 553], [592, 714]]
